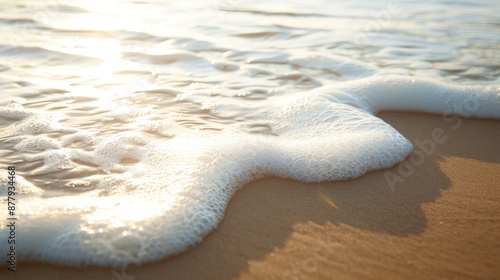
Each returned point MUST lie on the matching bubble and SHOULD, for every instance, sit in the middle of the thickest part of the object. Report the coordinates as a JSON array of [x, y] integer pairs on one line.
[[160, 195]]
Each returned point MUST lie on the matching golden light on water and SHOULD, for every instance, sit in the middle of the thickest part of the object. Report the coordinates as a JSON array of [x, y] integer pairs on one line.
[[107, 49]]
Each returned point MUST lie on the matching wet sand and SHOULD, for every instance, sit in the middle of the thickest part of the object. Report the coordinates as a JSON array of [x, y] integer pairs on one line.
[[439, 220]]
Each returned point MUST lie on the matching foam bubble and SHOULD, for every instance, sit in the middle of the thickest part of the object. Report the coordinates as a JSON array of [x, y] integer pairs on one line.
[[39, 143], [32, 122], [23, 187], [171, 192]]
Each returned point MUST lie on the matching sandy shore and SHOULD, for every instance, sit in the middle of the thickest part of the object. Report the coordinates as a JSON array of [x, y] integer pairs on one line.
[[441, 222]]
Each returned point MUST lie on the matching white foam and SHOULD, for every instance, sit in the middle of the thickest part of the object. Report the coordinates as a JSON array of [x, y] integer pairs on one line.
[[39, 143], [31, 122], [424, 95], [177, 189], [23, 187]]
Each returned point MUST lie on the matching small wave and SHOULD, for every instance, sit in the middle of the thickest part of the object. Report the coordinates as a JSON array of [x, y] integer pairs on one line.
[[164, 194], [45, 56], [18, 21]]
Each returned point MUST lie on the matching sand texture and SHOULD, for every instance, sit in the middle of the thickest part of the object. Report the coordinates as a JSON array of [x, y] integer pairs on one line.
[[439, 220]]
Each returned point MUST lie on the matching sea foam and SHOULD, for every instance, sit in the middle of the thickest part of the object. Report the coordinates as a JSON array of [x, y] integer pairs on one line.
[[158, 196]]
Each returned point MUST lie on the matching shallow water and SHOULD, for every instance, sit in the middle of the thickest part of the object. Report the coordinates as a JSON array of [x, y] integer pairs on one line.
[[131, 124]]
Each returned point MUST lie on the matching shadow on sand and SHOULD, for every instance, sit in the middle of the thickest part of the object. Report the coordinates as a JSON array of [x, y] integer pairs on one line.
[[263, 215]]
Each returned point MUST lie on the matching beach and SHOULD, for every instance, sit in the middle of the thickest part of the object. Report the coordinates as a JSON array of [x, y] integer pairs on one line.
[[442, 222], [230, 139]]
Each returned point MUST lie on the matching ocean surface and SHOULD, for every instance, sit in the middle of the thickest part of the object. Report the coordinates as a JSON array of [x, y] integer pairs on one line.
[[131, 124]]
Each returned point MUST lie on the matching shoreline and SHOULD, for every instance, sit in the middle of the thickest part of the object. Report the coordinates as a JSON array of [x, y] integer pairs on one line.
[[434, 216]]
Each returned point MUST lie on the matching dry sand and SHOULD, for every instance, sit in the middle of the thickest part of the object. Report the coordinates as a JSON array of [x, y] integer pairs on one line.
[[442, 222]]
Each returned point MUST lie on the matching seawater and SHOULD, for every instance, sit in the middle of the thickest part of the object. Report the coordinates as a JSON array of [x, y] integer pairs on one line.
[[132, 123]]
